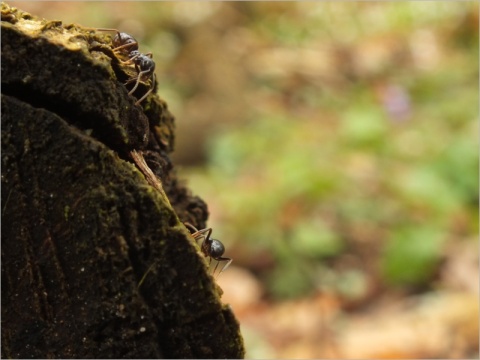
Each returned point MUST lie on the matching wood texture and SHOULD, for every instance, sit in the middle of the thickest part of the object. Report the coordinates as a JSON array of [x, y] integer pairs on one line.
[[96, 263]]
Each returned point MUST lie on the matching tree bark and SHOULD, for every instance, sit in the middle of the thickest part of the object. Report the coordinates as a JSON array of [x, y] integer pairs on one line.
[[96, 262]]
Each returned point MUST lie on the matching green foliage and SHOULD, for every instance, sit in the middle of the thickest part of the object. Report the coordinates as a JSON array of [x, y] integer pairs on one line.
[[278, 164], [364, 126], [412, 254], [321, 173], [314, 239], [288, 280]]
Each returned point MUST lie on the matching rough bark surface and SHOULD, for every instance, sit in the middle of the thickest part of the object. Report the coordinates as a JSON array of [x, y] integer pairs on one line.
[[95, 262]]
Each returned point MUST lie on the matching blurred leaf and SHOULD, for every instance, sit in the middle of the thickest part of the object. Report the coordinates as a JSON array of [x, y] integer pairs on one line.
[[458, 164], [423, 186], [288, 280], [314, 239], [364, 126], [412, 254]]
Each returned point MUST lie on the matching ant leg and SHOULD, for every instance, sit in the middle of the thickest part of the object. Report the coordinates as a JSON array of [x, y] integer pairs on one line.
[[197, 234], [216, 266], [229, 261], [130, 61], [131, 80], [148, 92], [125, 46], [140, 74], [190, 226], [200, 233]]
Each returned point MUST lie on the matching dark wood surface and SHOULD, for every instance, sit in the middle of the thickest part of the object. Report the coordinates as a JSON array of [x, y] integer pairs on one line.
[[95, 262]]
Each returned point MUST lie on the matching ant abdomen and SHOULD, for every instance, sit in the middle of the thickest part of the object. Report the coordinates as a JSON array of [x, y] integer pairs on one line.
[[211, 248], [124, 42], [216, 248]]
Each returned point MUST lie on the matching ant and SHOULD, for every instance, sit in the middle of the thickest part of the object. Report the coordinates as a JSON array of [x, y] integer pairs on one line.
[[122, 41], [126, 44], [145, 67], [211, 248]]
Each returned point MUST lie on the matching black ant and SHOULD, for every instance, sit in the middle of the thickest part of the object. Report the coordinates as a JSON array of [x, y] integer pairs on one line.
[[122, 41], [145, 67], [126, 44], [211, 248]]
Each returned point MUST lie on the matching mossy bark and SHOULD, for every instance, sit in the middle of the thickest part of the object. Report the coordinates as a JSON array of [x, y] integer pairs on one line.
[[95, 262]]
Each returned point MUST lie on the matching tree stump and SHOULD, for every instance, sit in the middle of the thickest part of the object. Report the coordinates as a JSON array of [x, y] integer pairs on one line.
[[96, 262]]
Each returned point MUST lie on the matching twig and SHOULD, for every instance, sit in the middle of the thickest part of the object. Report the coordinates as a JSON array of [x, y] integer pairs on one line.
[[148, 173]]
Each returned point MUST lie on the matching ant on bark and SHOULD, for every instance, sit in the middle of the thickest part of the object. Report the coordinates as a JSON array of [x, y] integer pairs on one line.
[[211, 248], [127, 45]]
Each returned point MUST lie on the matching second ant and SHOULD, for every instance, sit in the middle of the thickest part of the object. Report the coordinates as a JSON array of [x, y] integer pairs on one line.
[[126, 44]]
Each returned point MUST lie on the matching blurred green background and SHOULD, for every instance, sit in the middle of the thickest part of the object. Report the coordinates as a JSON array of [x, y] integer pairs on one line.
[[336, 144]]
